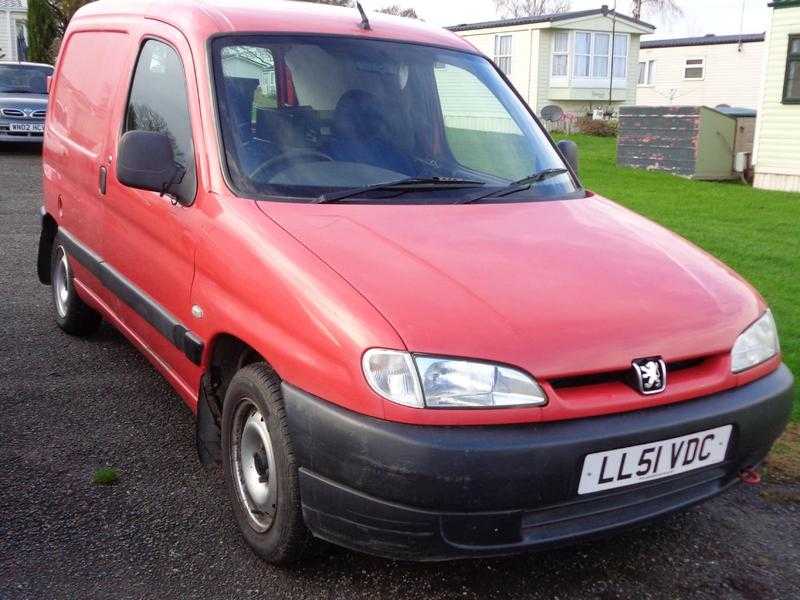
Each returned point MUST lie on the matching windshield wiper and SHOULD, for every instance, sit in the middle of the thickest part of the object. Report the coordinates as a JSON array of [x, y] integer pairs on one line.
[[16, 91], [412, 184], [519, 186]]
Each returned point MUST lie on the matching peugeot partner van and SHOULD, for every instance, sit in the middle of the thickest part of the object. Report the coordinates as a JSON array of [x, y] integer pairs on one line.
[[403, 323]]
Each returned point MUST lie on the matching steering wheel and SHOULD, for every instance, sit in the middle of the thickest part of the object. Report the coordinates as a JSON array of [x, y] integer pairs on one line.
[[290, 156]]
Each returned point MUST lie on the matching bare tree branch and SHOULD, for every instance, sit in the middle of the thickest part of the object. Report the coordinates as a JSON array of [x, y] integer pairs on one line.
[[529, 8], [670, 8], [396, 10], [333, 2]]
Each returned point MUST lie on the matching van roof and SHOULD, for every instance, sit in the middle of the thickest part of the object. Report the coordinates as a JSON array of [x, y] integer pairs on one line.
[[201, 19]]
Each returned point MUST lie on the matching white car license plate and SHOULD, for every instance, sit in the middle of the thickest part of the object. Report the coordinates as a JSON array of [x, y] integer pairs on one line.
[[629, 466], [27, 127]]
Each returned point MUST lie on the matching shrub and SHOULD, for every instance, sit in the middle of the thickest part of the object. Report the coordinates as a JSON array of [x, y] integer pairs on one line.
[[600, 128]]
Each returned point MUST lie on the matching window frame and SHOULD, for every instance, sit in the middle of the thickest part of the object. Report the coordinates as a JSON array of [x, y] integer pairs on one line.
[[499, 57], [588, 55], [790, 58], [626, 57], [612, 46], [594, 55], [124, 116], [649, 68], [565, 53], [701, 66]]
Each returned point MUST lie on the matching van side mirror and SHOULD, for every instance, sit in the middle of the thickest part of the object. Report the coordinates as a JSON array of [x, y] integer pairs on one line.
[[569, 150], [145, 161]]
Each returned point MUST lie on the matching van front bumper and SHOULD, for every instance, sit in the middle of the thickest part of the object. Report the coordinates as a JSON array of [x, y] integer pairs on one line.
[[437, 493]]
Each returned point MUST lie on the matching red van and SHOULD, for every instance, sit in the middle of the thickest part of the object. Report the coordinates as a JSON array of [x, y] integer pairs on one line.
[[403, 323]]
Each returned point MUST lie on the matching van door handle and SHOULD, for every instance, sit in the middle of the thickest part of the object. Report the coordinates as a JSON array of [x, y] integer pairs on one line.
[[103, 180]]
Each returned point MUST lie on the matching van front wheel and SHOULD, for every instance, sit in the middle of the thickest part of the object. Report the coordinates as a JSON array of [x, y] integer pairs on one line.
[[260, 470], [73, 315]]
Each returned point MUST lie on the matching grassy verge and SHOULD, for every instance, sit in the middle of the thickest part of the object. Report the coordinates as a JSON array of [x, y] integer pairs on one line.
[[756, 232], [783, 465]]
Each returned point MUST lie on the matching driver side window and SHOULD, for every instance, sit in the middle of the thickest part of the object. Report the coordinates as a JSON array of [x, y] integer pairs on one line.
[[158, 103]]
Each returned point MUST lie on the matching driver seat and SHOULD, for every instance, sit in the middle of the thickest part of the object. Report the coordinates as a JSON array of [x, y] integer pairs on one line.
[[362, 134]]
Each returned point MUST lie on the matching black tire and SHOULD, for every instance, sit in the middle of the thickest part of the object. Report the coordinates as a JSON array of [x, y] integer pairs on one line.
[[286, 538], [73, 315]]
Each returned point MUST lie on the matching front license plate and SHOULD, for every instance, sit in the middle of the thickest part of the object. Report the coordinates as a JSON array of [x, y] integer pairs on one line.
[[629, 466], [27, 127]]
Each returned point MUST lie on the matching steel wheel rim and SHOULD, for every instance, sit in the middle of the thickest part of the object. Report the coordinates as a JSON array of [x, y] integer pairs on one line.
[[254, 466], [61, 283]]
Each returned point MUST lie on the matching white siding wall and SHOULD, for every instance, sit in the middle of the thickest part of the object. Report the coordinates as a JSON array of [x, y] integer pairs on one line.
[[6, 48], [731, 77], [543, 67], [633, 69], [467, 104], [777, 153]]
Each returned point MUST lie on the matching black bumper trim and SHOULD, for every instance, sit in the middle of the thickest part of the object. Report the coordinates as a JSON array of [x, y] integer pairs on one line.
[[430, 493]]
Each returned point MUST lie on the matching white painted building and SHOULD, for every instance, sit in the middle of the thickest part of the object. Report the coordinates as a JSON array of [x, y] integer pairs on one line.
[[702, 71], [565, 59], [777, 149], [13, 23]]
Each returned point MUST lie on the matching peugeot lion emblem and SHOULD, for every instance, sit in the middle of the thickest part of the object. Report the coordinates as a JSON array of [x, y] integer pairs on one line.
[[651, 375]]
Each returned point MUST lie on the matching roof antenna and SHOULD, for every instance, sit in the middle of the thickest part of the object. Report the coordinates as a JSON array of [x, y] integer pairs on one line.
[[364, 20]]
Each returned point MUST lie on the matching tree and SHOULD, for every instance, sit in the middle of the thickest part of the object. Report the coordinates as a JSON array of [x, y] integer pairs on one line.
[[514, 9], [333, 2], [664, 7], [63, 11], [47, 22], [42, 30], [396, 10]]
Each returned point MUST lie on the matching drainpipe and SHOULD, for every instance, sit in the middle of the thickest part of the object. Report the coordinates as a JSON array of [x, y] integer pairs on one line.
[[611, 62]]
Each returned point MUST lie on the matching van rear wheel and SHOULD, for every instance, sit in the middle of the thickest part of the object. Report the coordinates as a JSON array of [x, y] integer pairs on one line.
[[260, 469], [73, 315]]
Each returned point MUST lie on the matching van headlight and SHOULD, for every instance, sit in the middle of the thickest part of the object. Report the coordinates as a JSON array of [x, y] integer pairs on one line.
[[756, 345], [438, 382]]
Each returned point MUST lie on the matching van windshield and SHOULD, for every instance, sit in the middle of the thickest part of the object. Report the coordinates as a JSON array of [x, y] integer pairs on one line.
[[24, 79], [304, 117]]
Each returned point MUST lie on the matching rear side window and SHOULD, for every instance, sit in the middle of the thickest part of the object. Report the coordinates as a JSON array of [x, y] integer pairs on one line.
[[158, 103]]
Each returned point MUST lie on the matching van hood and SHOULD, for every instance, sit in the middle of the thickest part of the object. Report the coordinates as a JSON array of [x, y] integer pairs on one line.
[[557, 287]]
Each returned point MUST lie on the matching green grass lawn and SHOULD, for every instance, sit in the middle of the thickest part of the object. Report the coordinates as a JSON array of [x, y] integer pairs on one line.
[[754, 231]]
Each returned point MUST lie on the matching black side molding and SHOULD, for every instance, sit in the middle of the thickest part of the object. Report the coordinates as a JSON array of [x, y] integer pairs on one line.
[[156, 315]]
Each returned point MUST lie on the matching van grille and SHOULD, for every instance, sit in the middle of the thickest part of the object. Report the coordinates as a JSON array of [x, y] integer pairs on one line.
[[619, 376], [40, 114], [12, 112]]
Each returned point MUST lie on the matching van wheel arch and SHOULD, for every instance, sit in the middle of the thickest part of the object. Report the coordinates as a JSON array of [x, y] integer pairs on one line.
[[228, 354]]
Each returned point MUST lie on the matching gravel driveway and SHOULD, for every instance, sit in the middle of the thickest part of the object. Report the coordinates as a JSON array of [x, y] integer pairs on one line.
[[71, 406]]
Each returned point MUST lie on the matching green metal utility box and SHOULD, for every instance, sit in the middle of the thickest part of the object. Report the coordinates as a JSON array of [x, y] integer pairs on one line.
[[693, 141]]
